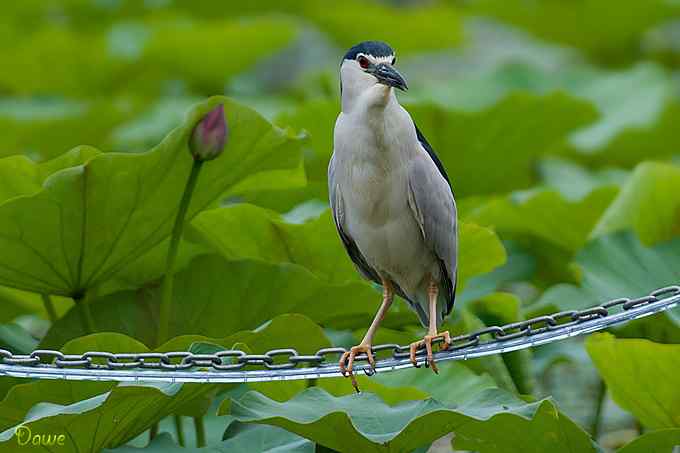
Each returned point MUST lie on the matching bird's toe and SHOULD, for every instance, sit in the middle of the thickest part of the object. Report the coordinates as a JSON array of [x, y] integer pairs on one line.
[[347, 361], [443, 339]]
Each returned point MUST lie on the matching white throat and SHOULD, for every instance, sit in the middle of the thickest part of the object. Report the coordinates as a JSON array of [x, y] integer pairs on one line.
[[362, 91]]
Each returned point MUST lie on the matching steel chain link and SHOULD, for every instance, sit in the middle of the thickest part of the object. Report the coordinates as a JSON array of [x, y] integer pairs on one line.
[[289, 358]]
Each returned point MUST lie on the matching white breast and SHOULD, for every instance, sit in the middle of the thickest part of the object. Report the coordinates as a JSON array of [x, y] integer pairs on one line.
[[371, 173]]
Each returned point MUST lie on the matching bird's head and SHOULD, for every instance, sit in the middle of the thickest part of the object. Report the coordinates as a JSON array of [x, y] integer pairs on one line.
[[368, 64]]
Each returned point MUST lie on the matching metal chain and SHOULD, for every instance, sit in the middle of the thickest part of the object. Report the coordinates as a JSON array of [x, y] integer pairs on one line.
[[234, 365]]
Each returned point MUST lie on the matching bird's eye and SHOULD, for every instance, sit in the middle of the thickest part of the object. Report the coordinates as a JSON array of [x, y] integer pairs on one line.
[[394, 60], [363, 61]]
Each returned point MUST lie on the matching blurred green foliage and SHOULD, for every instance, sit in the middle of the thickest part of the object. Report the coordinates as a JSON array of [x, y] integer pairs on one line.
[[557, 123]]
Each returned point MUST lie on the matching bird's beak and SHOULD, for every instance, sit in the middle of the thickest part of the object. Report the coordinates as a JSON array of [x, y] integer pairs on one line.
[[389, 76]]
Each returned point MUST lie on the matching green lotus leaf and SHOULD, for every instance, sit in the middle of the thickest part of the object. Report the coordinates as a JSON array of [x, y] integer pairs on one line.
[[218, 310], [249, 438], [659, 440], [613, 266], [573, 181], [21, 176], [363, 422], [249, 232], [469, 142], [641, 377], [546, 215], [647, 204], [655, 139], [88, 222]]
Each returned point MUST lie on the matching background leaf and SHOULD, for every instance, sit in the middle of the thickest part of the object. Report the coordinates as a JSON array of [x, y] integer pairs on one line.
[[639, 374]]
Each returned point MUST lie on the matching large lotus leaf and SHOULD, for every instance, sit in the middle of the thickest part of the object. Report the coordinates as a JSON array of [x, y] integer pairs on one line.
[[660, 440], [363, 422], [19, 175], [657, 139], [316, 117], [135, 313], [641, 376], [549, 226], [248, 232], [549, 430], [649, 204], [284, 331], [250, 438], [244, 231], [495, 144], [90, 221], [519, 266], [613, 266], [214, 297], [148, 270], [510, 61], [391, 395], [580, 24], [454, 384], [649, 87], [106, 420], [546, 215]]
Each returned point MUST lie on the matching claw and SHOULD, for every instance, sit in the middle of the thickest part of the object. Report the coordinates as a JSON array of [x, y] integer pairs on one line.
[[348, 357], [427, 342]]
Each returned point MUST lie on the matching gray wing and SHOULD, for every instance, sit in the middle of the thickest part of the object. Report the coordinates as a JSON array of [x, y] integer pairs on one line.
[[434, 208], [335, 198]]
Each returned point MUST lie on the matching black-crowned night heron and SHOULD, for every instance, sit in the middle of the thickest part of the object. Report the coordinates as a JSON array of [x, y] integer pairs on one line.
[[391, 199]]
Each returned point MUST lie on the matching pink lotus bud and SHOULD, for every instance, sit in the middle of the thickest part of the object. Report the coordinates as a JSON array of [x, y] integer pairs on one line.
[[209, 136]]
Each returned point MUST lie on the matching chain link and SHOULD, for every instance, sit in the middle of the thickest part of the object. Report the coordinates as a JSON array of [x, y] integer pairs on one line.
[[489, 340]]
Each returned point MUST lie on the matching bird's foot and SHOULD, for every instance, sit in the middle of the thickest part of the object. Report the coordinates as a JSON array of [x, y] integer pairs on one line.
[[427, 342], [347, 361]]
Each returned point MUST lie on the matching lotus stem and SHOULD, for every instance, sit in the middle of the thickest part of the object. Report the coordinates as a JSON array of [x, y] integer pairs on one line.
[[49, 308], [83, 305], [166, 298], [179, 429], [597, 417], [200, 431]]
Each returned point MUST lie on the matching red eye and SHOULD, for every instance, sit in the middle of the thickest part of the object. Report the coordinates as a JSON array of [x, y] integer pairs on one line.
[[363, 61]]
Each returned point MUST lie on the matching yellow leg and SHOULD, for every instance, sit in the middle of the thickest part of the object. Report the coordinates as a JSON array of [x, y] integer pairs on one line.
[[347, 359], [432, 334]]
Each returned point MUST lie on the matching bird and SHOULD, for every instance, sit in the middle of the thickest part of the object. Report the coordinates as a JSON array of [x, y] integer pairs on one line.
[[391, 200]]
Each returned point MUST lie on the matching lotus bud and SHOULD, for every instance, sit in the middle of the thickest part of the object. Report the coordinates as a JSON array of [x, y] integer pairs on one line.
[[209, 136]]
